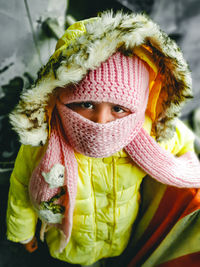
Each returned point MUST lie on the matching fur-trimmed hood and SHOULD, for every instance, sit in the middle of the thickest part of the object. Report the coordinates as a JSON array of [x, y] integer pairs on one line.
[[88, 43]]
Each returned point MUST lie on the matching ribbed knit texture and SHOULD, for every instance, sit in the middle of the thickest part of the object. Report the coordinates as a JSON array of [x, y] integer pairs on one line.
[[58, 151], [96, 139], [120, 80], [183, 171]]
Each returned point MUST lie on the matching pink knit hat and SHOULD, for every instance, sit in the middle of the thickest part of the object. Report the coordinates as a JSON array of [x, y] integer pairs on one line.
[[122, 80]]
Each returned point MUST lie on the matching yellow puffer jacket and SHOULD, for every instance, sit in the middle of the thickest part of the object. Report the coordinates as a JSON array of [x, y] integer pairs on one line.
[[106, 206]]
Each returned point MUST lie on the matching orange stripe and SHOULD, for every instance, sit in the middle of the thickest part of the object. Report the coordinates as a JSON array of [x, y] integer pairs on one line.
[[175, 204], [193, 205], [190, 260]]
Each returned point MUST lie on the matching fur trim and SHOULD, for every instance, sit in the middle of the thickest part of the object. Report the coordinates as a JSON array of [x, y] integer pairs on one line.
[[102, 37]]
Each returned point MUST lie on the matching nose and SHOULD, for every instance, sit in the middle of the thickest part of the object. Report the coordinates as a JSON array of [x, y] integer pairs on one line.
[[103, 115]]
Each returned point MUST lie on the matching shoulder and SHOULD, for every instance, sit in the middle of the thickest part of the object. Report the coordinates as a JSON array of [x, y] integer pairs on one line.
[[27, 159]]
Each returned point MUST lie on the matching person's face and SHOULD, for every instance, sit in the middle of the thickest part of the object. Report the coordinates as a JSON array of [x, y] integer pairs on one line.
[[99, 112]]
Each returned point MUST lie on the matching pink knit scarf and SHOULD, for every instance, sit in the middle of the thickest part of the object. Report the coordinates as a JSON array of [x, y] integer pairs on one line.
[[53, 184], [183, 171]]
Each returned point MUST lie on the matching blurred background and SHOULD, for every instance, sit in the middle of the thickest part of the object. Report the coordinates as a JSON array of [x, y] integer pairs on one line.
[[29, 32]]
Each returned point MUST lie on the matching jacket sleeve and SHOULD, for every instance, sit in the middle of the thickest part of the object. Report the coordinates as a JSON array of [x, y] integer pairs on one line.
[[21, 218]]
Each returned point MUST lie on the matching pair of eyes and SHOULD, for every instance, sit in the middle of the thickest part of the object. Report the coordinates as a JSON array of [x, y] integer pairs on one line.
[[91, 106]]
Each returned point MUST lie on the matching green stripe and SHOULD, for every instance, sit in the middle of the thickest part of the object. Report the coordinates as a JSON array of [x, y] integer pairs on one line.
[[183, 239]]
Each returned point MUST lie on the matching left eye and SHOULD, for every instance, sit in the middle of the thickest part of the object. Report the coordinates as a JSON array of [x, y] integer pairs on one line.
[[87, 105], [118, 109]]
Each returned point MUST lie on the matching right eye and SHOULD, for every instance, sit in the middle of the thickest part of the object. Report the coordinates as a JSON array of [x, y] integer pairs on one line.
[[87, 105]]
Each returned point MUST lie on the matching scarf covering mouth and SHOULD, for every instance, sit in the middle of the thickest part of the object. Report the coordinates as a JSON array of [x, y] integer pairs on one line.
[[96, 139]]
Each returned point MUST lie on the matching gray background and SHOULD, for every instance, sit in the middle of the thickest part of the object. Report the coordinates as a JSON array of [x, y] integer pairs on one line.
[[29, 31]]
